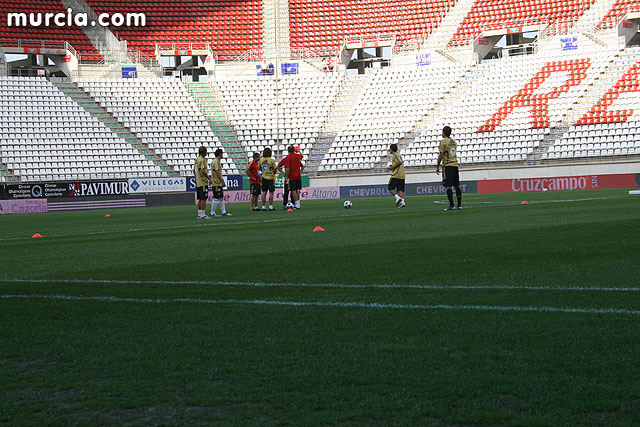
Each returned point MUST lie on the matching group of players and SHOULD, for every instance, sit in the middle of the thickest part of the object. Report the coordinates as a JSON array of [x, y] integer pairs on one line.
[[262, 172]]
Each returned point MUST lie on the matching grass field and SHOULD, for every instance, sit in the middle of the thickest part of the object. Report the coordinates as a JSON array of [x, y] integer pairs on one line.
[[498, 314]]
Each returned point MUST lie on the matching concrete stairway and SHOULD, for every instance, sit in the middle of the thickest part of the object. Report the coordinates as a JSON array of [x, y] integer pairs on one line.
[[89, 105], [206, 98]]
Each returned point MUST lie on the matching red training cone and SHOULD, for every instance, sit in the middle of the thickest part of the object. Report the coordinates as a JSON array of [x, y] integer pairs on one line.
[[289, 210], [107, 216], [524, 203], [318, 228], [35, 236]]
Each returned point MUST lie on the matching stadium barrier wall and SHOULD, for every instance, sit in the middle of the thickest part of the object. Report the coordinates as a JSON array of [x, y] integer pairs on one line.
[[486, 174], [45, 197]]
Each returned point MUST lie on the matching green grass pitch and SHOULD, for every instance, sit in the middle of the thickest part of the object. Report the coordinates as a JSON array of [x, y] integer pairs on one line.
[[499, 314]]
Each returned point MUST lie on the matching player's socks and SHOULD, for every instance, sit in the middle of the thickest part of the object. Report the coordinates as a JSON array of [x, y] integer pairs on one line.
[[459, 196], [398, 199], [224, 210], [298, 204], [214, 205], [450, 197], [271, 208], [264, 208]]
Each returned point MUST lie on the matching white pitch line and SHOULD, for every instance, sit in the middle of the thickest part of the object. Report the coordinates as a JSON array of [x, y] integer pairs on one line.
[[324, 285], [334, 304]]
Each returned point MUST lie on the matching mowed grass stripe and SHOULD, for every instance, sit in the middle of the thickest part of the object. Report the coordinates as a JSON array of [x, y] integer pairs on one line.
[[338, 304], [323, 285]]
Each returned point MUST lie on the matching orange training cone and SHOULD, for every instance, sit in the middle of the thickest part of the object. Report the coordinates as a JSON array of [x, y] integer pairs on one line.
[[289, 210], [524, 203], [35, 236], [107, 216], [318, 228]]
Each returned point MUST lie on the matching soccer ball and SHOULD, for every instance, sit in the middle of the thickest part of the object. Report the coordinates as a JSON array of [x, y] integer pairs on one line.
[[545, 189], [348, 204], [290, 205]]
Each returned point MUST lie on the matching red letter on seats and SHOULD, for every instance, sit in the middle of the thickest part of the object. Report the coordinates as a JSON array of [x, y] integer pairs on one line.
[[539, 103], [599, 112]]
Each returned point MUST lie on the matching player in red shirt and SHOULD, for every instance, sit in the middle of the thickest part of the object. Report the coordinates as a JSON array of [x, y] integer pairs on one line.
[[254, 180], [293, 174]]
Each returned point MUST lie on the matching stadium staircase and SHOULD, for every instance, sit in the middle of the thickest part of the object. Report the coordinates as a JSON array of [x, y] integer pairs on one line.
[[89, 105], [439, 38], [593, 92], [5, 174], [276, 39], [206, 99], [348, 94]]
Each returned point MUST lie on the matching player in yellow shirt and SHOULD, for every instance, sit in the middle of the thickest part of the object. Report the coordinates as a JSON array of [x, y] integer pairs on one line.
[[396, 183], [450, 174], [268, 168], [217, 185], [202, 182]]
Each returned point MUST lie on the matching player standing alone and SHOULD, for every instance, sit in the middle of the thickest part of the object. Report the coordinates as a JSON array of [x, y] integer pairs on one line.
[[217, 184], [450, 174], [252, 171], [396, 183], [202, 182]]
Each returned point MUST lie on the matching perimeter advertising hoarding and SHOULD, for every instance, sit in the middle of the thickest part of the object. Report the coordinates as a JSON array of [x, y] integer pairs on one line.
[[88, 189], [411, 189], [23, 206], [35, 191], [316, 193], [157, 185], [584, 182], [233, 182]]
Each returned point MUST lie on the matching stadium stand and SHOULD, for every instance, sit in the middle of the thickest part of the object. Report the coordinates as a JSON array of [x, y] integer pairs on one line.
[[49, 137], [323, 25], [608, 128], [304, 104], [390, 105], [73, 35], [230, 27], [512, 105], [618, 10], [162, 114], [491, 14]]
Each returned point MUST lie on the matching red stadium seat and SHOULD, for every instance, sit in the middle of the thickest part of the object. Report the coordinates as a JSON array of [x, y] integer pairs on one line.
[[204, 22], [75, 36], [324, 24], [492, 14]]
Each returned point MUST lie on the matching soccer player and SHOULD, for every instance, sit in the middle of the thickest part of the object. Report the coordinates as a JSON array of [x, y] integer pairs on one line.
[[287, 189], [293, 174], [268, 169], [396, 183], [202, 182], [450, 174], [217, 184], [252, 171]]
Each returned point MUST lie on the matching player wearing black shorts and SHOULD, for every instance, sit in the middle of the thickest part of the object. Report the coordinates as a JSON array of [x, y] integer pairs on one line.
[[268, 170], [217, 185], [396, 182], [202, 182], [451, 175], [253, 172]]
